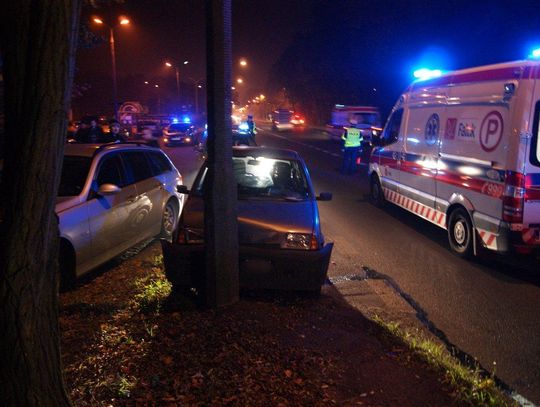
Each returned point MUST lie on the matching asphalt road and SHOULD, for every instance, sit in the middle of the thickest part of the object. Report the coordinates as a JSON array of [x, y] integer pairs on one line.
[[488, 309]]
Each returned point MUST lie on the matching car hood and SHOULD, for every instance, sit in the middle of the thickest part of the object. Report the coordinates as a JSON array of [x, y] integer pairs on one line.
[[260, 222], [65, 202]]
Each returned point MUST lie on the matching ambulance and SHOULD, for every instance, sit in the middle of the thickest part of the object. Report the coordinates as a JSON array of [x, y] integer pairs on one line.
[[462, 151]]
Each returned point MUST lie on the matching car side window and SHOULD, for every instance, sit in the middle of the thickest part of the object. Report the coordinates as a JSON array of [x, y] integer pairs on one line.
[[111, 171], [159, 163], [137, 165], [391, 130]]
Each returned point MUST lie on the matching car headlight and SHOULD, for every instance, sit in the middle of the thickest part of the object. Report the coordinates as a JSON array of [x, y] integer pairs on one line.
[[301, 241]]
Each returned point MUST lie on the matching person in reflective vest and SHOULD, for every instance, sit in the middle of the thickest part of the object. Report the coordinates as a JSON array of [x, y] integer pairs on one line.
[[352, 138]]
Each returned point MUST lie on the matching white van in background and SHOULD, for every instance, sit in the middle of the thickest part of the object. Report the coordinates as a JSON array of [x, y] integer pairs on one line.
[[462, 151], [367, 117]]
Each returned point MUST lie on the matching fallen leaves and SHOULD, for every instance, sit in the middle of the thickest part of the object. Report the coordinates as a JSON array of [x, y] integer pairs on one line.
[[260, 351]]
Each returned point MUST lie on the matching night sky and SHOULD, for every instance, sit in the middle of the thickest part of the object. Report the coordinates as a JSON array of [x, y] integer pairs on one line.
[[379, 42]]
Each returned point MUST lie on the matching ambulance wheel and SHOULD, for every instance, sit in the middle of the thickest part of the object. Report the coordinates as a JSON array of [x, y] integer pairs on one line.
[[460, 233], [376, 192]]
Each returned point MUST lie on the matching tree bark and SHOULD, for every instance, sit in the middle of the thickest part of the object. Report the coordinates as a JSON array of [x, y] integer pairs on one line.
[[38, 46], [221, 230]]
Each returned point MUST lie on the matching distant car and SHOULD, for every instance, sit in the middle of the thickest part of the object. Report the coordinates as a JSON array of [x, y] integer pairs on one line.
[[110, 198], [279, 231], [180, 133], [153, 125], [281, 120], [298, 120]]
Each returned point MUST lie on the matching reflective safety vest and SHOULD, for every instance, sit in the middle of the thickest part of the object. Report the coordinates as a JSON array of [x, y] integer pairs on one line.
[[352, 137]]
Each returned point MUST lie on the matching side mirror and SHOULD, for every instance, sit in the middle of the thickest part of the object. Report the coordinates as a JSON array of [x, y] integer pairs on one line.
[[325, 196], [108, 189], [182, 189]]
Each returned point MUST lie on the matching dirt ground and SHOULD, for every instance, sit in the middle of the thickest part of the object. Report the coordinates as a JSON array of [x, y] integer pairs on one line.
[[122, 347]]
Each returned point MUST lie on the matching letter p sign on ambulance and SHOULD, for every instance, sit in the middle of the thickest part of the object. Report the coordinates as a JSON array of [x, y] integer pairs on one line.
[[491, 131]]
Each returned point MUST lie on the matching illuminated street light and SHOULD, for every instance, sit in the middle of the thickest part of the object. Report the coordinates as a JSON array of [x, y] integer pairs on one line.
[[243, 62], [177, 72], [122, 21], [233, 88], [262, 96], [239, 80]]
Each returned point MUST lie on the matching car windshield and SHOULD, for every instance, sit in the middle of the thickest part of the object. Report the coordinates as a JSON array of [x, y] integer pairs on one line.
[[179, 127], [268, 178], [74, 173]]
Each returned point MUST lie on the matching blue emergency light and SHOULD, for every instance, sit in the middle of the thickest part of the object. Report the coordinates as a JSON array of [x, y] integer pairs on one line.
[[535, 53], [425, 74], [186, 119], [174, 120]]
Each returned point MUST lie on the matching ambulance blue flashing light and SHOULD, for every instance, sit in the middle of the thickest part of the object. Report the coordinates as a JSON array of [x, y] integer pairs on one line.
[[174, 120], [535, 53], [186, 119], [425, 74]]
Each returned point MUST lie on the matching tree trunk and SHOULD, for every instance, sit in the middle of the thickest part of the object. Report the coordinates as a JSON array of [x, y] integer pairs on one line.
[[38, 45], [221, 231]]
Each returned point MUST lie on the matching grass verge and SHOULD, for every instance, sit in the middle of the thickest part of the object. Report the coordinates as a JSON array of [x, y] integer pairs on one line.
[[471, 385], [152, 290]]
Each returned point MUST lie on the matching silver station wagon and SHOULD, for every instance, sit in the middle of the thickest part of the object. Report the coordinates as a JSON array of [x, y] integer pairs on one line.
[[110, 198], [279, 232]]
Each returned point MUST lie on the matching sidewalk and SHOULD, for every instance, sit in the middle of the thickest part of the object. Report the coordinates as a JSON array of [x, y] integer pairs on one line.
[[125, 343]]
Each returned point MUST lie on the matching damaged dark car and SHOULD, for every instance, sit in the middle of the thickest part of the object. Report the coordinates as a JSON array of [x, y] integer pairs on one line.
[[281, 245]]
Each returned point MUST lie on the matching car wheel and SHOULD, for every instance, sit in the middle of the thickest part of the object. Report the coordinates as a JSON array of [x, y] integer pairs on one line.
[[460, 233], [168, 220], [376, 192]]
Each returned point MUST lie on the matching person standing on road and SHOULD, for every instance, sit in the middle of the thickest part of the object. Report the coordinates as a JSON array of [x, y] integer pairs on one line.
[[149, 138], [91, 133], [352, 138], [251, 129], [114, 134]]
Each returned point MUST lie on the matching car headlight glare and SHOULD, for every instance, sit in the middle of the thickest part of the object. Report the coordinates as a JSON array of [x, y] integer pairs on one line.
[[302, 241]]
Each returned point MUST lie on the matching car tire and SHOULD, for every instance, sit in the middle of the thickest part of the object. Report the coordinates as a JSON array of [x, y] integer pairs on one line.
[[460, 233], [376, 193], [169, 219]]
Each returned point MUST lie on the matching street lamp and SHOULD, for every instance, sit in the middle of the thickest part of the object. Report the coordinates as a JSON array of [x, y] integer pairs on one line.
[[177, 72], [122, 21], [198, 85], [243, 63]]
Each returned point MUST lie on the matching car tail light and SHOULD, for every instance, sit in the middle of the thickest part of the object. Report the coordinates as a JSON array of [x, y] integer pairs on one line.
[[358, 160], [514, 194], [313, 245]]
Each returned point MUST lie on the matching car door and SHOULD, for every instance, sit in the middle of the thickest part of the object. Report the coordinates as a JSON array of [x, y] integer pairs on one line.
[[109, 214], [388, 156], [147, 212]]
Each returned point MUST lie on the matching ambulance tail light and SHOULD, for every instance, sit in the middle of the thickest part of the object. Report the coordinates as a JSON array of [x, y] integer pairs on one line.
[[514, 194]]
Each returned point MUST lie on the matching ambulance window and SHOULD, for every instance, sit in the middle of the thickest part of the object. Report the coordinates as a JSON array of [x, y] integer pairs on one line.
[[391, 130], [535, 145]]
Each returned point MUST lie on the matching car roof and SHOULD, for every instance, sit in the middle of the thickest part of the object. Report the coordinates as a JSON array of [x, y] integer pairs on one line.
[[275, 153], [89, 150]]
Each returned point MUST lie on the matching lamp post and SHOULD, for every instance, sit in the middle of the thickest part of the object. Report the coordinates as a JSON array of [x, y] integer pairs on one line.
[[177, 72], [122, 21], [198, 85]]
